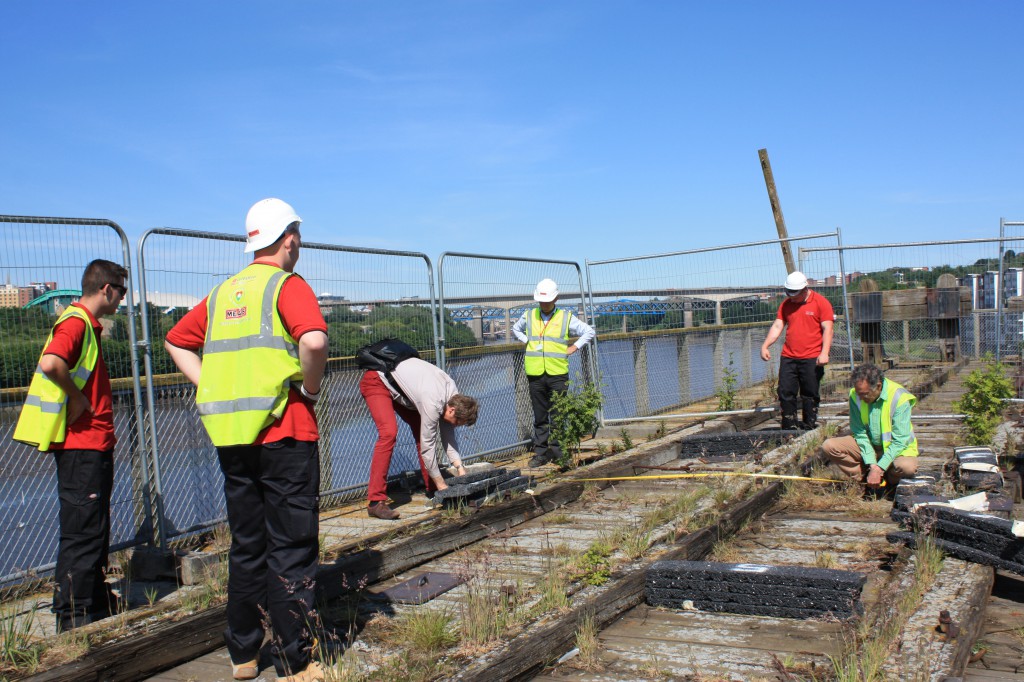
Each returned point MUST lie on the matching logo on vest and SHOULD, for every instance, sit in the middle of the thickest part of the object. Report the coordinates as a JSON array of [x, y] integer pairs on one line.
[[235, 313], [239, 295]]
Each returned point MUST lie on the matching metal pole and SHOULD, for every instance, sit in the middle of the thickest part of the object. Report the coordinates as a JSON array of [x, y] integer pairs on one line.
[[999, 292], [156, 494], [595, 363], [846, 312]]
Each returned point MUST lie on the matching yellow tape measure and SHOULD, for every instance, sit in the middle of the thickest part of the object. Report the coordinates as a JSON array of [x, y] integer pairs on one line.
[[714, 473]]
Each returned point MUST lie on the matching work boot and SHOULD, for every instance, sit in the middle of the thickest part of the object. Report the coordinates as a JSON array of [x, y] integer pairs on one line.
[[810, 418], [788, 422], [313, 673], [381, 510], [540, 459], [245, 671]]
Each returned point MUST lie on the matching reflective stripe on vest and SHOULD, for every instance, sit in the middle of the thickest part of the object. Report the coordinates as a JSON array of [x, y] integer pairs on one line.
[[249, 359], [43, 418], [547, 344], [895, 395]]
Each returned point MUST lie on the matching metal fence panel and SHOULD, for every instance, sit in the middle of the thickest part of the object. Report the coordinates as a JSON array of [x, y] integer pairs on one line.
[[42, 261], [678, 328], [488, 294], [976, 265], [365, 295]]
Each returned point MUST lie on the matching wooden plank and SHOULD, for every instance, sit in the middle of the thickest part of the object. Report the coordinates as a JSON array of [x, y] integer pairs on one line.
[[168, 644], [527, 653]]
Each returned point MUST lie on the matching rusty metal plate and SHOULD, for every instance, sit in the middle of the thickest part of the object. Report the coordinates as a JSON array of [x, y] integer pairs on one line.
[[943, 304], [867, 307], [421, 588]]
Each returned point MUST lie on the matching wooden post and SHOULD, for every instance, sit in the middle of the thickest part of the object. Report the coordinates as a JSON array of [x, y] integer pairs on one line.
[[773, 197], [871, 332], [949, 329]]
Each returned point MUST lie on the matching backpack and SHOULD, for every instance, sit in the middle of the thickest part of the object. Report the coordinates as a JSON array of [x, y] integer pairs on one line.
[[384, 356]]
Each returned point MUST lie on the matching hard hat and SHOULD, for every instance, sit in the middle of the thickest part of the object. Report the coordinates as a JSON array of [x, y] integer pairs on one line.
[[546, 291], [796, 281], [266, 222]]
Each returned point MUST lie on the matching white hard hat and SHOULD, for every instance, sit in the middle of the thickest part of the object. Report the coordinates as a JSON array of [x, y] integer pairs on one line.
[[266, 221], [796, 281], [546, 291]]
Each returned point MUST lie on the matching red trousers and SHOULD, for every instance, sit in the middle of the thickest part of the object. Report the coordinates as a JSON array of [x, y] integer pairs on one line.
[[383, 410]]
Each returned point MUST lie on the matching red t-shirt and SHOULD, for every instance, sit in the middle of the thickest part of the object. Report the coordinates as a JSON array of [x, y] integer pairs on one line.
[[803, 325], [90, 431], [300, 313]]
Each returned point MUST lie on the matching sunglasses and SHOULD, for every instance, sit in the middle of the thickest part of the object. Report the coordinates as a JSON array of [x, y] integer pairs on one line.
[[120, 288], [791, 293]]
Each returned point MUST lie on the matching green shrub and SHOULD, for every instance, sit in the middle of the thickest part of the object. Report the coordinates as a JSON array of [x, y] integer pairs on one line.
[[982, 401], [573, 415]]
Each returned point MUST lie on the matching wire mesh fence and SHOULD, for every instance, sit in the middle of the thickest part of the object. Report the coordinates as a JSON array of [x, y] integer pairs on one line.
[[42, 261], [364, 294], [679, 328], [910, 327], [489, 294], [677, 332]]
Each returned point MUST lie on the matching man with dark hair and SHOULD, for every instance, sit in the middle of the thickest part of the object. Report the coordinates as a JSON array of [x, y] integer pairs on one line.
[[428, 401], [882, 445], [69, 411], [807, 317], [264, 344]]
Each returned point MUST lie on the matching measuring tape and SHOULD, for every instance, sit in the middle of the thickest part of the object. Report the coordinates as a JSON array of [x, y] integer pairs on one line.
[[714, 473]]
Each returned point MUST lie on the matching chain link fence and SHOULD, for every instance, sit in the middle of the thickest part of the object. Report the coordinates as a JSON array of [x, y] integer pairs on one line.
[[364, 294], [42, 261], [677, 333], [911, 328], [488, 294], [679, 328]]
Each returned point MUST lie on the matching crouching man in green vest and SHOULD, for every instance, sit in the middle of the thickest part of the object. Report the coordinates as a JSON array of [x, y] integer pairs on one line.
[[69, 411], [264, 349], [882, 445], [545, 330]]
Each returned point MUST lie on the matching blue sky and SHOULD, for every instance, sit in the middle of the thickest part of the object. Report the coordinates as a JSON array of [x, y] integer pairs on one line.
[[571, 130]]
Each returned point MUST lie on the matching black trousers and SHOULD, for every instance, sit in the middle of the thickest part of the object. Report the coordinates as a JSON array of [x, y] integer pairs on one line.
[[542, 387], [272, 494], [803, 378], [85, 479]]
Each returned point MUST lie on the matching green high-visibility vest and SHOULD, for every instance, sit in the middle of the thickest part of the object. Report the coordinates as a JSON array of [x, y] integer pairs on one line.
[[547, 343], [44, 417], [249, 358], [895, 395]]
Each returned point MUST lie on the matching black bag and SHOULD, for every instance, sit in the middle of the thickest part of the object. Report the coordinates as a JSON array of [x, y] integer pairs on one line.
[[384, 355]]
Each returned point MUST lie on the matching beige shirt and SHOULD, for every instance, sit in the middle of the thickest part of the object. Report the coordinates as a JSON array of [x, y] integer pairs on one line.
[[429, 390]]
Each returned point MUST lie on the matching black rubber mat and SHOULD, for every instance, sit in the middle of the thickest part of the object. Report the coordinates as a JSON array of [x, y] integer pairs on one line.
[[467, 489], [959, 551], [474, 476], [826, 578]]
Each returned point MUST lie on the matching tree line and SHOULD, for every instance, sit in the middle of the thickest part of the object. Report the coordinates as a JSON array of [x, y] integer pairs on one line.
[[25, 331]]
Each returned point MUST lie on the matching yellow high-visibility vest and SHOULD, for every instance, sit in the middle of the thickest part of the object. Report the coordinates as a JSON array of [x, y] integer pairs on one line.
[[547, 343], [44, 417], [895, 395], [249, 358]]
